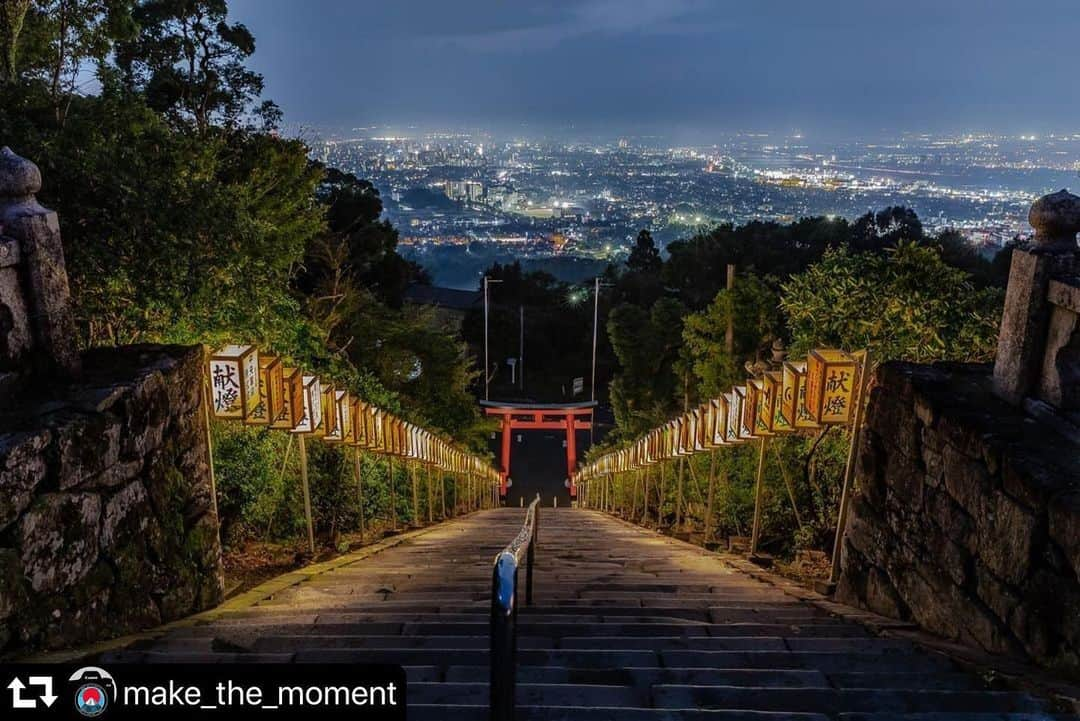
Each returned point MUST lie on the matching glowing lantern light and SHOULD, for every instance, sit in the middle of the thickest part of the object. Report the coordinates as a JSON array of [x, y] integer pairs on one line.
[[340, 406], [758, 411], [311, 421], [270, 389], [234, 381], [743, 429], [774, 387], [329, 413], [731, 430], [359, 433], [803, 419], [292, 399], [720, 410], [830, 385]]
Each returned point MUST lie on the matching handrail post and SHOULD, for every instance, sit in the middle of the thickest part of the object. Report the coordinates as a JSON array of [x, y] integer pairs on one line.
[[504, 607], [503, 656], [530, 556]]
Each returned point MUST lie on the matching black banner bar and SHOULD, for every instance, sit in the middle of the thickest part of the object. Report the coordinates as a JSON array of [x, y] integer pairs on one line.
[[162, 692]]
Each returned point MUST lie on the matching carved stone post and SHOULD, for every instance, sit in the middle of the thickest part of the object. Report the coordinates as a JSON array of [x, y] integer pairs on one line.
[[37, 329], [1022, 341]]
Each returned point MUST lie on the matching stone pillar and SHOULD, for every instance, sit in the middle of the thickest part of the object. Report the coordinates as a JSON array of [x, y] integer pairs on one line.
[[37, 329], [1024, 322]]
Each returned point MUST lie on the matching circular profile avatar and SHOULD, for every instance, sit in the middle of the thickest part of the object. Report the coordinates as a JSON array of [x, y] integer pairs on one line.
[[94, 688]]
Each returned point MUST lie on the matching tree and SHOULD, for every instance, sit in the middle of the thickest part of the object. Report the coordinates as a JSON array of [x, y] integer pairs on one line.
[[886, 229], [189, 61], [753, 307], [644, 257], [905, 304], [12, 17], [646, 344], [697, 266], [353, 208], [63, 37]]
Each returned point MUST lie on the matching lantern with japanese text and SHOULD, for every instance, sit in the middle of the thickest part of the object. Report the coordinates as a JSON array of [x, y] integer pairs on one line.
[[744, 429], [329, 413], [312, 421], [292, 399], [720, 410], [234, 381], [271, 388], [359, 438], [757, 417], [774, 387], [731, 429], [342, 418], [795, 387], [830, 385]]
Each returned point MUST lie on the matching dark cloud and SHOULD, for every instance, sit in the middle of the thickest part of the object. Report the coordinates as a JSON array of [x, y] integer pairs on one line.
[[672, 66]]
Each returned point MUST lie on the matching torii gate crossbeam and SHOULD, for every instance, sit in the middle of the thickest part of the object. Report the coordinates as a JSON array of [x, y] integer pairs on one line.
[[568, 417]]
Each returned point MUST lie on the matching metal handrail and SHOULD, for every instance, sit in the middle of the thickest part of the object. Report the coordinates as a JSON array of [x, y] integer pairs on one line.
[[504, 582]]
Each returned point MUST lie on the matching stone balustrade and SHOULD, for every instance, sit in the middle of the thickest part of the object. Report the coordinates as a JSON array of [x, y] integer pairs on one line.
[[107, 516], [967, 517]]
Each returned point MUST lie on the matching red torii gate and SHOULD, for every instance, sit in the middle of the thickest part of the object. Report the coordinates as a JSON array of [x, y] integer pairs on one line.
[[541, 416]]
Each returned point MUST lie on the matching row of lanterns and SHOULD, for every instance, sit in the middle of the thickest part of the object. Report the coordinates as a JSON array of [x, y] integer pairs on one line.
[[259, 389], [802, 395]]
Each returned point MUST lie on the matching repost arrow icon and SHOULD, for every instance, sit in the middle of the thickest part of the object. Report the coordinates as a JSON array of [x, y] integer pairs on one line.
[[17, 701], [45, 681]]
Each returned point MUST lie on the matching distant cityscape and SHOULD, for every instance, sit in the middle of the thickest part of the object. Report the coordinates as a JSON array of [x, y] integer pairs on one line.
[[462, 201]]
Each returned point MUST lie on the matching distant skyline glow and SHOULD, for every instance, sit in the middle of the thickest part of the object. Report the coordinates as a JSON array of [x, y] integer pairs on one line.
[[680, 69]]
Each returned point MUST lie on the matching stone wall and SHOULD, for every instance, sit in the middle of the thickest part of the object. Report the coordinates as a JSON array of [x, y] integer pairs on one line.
[[967, 516], [107, 519]]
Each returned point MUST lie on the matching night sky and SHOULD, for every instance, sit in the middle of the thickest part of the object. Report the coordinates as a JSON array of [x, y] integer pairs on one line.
[[675, 68]]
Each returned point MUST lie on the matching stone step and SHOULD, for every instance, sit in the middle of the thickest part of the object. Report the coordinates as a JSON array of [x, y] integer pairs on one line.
[[933, 681], [663, 643], [534, 694], [421, 712], [836, 701], [645, 677], [627, 626], [826, 662], [280, 644]]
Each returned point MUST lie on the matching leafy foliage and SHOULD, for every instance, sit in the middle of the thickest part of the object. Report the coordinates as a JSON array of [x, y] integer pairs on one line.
[[646, 344], [185, 219], [752, 307], [904, 304]]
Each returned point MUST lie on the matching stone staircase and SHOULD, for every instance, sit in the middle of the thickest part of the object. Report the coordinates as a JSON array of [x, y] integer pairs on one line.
[[626, 625]]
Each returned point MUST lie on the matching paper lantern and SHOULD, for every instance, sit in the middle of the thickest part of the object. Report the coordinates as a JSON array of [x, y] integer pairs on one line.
[[312, 421], [744, 431], [803, 419], [371, 431], [380, 430], [790, 391], [234, 381], [355, 435], [774, 387], [342, 418], [731, 425], [329, 413], [830, 385], [292, 399], [756, 413], [270, 390], [720, 410]]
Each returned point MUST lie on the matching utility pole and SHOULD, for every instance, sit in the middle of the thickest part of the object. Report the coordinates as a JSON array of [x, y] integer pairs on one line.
[[729, 336], [595, 321], [487, 362], [521, 348]]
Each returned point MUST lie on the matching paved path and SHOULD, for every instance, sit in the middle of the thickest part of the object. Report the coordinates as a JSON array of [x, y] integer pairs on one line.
[[627, 625]]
